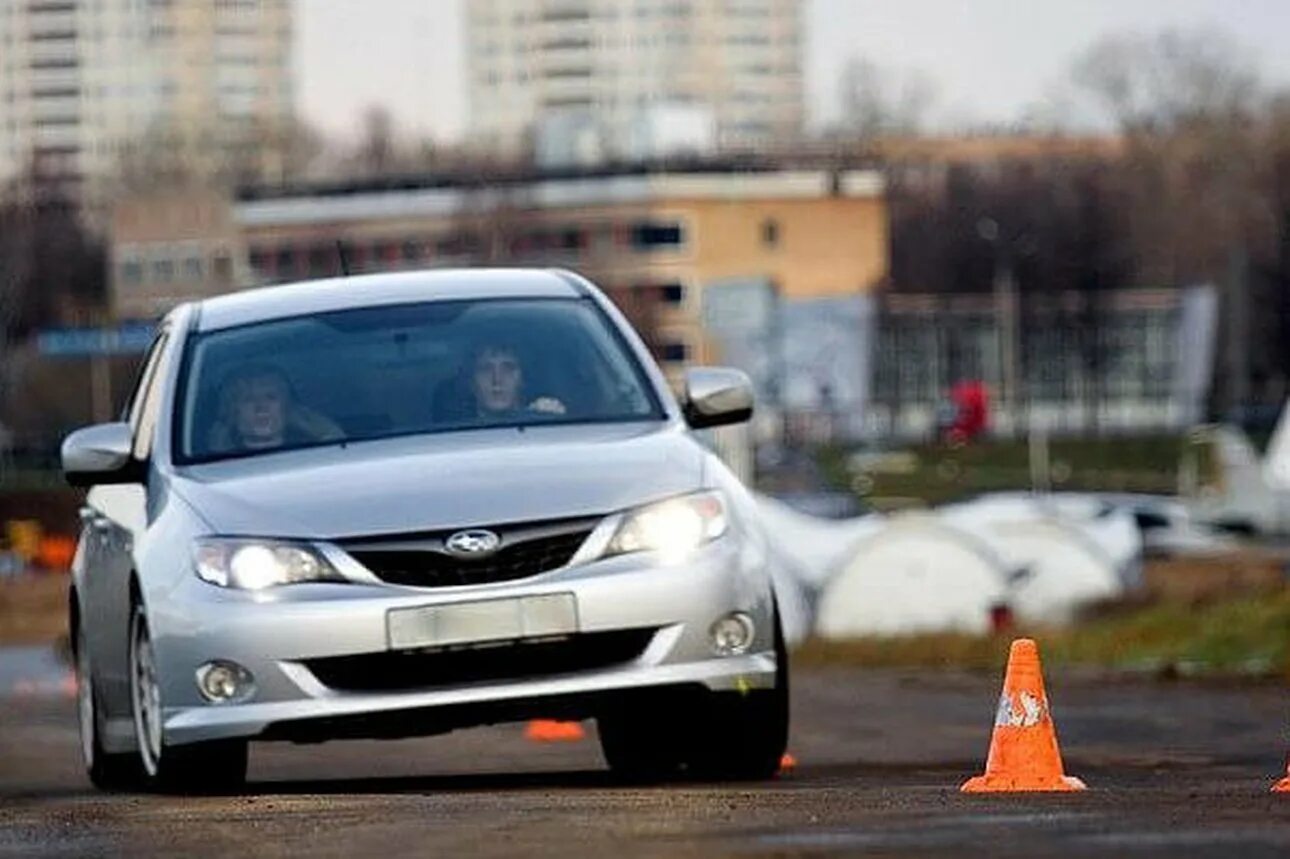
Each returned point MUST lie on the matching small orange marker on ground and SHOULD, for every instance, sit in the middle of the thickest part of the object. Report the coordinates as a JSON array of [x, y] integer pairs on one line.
[[1283, 786], [1023, 750], [787, 762], [552, 731]]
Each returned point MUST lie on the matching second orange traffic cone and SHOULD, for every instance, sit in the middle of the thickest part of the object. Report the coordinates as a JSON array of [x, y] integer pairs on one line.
[[552, 731], [1283, 786], [1023, 750]]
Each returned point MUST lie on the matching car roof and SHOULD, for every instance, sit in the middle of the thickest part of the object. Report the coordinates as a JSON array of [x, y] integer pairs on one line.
[[374, 290]]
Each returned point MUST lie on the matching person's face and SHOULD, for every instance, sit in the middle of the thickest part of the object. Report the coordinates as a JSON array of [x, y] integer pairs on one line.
[[260, 408], [497, 380]]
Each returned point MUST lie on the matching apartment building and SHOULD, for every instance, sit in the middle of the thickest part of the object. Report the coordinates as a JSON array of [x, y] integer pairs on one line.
[[594, 80], [86, 84]]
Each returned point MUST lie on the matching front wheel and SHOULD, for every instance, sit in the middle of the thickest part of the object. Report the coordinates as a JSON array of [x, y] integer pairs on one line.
[[106, 771], [727, 735], [744, 736], [195, 768]]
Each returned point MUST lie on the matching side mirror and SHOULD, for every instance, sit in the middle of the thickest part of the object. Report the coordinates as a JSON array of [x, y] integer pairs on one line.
[[717, 395], [100, 454]]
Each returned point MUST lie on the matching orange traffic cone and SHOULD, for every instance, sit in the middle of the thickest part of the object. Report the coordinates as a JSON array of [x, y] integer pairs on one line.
[[551, 731], [1023, 751], [1283, 786]]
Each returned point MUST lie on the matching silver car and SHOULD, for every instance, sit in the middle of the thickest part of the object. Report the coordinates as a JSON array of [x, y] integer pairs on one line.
[[398, 505]]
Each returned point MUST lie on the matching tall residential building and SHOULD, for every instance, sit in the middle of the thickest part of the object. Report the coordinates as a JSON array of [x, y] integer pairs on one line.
[[85, 83], [583, 80]]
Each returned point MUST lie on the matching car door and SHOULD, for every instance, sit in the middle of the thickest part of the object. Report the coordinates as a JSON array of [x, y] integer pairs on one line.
[[117, 517]]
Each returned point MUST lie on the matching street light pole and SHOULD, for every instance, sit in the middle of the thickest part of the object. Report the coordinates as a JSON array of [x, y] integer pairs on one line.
[[1006, 316]]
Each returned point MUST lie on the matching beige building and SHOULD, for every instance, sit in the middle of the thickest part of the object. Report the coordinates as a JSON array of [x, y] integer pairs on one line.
[[652, 240], [89, 86], [172, 247], [588, 80]]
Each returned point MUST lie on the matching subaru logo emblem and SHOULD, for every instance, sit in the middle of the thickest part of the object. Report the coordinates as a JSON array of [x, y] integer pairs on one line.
[[476, 543]]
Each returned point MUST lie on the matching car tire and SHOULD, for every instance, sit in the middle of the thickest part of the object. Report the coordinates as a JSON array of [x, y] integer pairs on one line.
[[744, 735], [640, 741], [209, 767], [106, 771], [729, 735]]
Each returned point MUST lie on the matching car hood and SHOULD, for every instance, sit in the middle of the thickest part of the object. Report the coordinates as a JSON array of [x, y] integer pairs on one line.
[[428, 483]]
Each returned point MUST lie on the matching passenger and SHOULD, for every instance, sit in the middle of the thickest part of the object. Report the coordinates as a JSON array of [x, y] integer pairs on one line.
[[258, 412]]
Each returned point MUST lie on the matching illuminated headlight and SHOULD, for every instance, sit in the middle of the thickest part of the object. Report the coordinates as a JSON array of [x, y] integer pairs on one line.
[[672, 528], [257, 564]]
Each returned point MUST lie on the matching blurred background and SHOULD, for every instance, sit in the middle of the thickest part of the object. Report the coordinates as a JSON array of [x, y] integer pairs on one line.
[[1015, 268]]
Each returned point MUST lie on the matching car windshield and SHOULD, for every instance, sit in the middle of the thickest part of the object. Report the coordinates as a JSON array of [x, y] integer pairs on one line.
[[378, 372]]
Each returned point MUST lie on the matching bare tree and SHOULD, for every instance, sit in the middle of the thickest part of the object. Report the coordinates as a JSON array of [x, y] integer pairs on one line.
[[877, 101], [1169, 81], [1188, 104], [376, 151]]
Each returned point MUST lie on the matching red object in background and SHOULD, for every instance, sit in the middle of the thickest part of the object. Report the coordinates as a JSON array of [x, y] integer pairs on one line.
[[971, 410], [55, 553], [1001, 618]]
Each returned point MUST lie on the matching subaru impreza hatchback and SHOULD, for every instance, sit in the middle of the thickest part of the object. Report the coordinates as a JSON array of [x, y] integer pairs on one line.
[[397, 505]]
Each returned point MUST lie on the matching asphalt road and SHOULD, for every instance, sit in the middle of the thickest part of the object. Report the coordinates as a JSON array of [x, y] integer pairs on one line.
[[1175, 769]]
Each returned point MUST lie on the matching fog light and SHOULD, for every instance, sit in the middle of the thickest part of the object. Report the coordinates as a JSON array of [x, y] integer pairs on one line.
[[223, 682], [731, 634]]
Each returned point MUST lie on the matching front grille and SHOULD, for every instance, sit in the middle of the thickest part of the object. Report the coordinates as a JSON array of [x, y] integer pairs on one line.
[[526, 550], [404, 670]]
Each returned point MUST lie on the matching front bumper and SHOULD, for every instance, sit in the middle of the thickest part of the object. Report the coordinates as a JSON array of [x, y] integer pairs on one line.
[[277, 634]]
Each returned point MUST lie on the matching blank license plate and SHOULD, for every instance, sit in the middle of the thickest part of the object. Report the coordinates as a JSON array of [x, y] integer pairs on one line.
[[483, 621]]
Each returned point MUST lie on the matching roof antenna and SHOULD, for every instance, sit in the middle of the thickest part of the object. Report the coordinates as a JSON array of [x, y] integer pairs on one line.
[[344, 257]]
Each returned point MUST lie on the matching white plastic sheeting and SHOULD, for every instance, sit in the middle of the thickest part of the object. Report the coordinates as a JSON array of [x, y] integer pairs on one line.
[[1066, 551], [819, 547], [805, 552], [916, 573], [1043, 557]]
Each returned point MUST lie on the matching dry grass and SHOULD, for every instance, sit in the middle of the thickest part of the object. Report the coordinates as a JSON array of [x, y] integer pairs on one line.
[[941, 473], [1239, 636], [33, 609]]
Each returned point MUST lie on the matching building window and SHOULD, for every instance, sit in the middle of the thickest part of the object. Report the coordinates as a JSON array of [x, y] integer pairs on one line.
[[285, 261], [131, 272], [222, 267], [322, 260], [414, 250], [770, 233], [261, 260], [650, 236], [163, 270], [674, 351], [672, 294], [194, 268]]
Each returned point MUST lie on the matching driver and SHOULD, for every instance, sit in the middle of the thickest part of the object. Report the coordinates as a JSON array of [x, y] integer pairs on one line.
[[497, 383], [258, 411]]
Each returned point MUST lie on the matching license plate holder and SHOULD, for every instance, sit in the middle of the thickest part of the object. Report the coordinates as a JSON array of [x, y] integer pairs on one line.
[[482, 621]]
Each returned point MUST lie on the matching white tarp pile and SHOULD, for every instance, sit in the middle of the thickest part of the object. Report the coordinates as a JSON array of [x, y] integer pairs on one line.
[[916, 574], [806, 552], [1063, 552], [954, 569]]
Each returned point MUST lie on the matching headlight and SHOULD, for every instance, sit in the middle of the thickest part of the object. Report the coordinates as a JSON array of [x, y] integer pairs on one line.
[[673, 528], [257, 564]]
